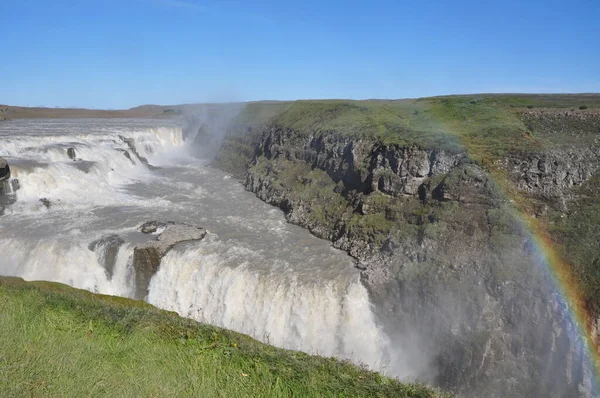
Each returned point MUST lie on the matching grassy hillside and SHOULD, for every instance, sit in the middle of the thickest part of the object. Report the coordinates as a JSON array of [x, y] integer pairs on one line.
[[485, 125], [57, 341]]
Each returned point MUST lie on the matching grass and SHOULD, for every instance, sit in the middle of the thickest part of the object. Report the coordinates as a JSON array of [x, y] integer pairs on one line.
[[486, 126], [388, 122], [547, 100], [56, 341]]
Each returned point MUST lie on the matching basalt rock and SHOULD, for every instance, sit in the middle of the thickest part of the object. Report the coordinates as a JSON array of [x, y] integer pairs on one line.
[[8, 187], [107, 249], [551, 176], [361, 165], [4, 170], [131, 144], [127, 155], [147, 256], [151, 227]]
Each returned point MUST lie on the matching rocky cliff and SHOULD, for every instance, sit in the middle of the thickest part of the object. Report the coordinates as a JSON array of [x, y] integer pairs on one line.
[[450, 265]]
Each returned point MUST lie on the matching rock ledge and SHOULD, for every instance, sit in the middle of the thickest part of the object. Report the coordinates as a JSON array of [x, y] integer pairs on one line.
[[147, 256]]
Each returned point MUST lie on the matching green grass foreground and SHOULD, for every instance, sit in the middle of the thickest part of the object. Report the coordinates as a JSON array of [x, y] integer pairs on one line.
[[56, 341]]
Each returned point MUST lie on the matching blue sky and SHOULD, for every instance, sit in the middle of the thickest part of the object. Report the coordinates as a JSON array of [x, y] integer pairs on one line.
[[119, 54]]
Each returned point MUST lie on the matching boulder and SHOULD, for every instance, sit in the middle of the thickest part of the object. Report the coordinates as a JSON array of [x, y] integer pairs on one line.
[[4, 170], [46, 202], [7, 186], [147, 256], [83, 165], [151, 227]]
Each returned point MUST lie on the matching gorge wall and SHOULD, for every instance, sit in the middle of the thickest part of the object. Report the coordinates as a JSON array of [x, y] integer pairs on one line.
[[455, 276]]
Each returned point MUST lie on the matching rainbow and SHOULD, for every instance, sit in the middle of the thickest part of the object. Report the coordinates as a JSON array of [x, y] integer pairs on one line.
[[570, 300], [572, 303], [556, 269]]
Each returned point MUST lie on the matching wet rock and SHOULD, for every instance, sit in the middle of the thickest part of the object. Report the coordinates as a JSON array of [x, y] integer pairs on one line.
[[83, 165], [4, 170], [46, 202], [107, 249], [71, 153], [127, 155], [8, 187], [131, 144], [147, 256], [151, 227]]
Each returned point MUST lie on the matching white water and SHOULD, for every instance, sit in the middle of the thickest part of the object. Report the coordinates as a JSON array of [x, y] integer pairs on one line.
[[254, 273]]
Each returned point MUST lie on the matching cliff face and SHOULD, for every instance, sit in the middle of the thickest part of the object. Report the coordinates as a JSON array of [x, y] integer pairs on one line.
[[455, 277], [443, 255], [551, 175]]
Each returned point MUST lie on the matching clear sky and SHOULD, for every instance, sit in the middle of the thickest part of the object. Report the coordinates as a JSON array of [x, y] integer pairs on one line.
[[123, 53]]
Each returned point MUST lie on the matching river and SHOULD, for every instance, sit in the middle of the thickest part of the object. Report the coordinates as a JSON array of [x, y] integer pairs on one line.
[[253, 273]]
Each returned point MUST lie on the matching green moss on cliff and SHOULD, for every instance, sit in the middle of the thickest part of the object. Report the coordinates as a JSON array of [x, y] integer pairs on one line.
[[56, 341], [302, 184], [577, 234]]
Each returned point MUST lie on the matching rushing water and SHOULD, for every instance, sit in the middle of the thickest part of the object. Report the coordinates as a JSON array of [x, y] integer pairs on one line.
[[254, 273]]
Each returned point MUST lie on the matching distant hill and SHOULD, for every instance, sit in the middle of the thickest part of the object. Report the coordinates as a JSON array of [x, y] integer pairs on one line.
[[142, 111], [20, 112], [591, 100]]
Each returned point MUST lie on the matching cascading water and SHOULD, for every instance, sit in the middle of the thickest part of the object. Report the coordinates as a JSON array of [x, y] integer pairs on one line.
[[253, 273]]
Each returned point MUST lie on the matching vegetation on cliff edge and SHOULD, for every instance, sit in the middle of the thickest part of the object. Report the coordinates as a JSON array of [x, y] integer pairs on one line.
[[486, 127]]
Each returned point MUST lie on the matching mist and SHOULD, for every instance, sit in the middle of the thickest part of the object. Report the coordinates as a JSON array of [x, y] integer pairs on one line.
[[205, 126]]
